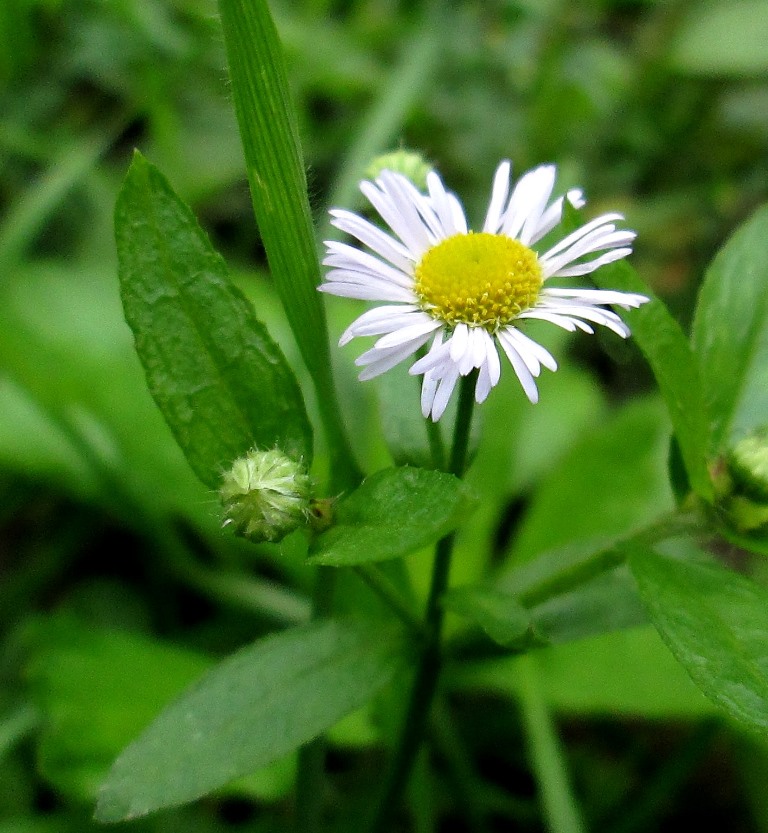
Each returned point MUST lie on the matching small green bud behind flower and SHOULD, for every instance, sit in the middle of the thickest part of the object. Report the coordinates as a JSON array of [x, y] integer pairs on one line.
[[410, 164], [748, 465], [743, 483], [265, 495]]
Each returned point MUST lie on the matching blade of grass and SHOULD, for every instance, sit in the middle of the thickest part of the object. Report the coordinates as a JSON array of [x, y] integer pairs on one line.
[[556, 796], [269, 133]]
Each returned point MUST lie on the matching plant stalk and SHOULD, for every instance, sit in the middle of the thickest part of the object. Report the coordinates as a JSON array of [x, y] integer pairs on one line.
[[428, 671]]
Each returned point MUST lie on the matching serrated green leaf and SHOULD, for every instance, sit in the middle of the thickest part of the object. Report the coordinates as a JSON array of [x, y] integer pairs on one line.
[[256, 706], [500, 615], [715, 622], [667, 351], [723, 38], [222, 384], [393, 513], [730, 333]]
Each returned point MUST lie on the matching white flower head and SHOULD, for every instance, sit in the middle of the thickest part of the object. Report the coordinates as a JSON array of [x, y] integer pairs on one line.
[[470, 292]]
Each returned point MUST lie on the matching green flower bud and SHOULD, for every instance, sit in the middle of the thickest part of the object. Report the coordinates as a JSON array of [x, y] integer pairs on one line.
[[265, 495], [748, 466], [410, 164]]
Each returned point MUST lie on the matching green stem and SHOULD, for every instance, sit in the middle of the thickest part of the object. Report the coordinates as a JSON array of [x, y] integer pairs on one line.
[[310, 775], [386, 590], [560, 808], [428, 671], [569, 576]]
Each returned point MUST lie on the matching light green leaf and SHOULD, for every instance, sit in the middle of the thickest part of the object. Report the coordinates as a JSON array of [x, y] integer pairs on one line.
[[500, 615], [97, 689], [723, 38], [715, 622], [667, 351], [612, 483], [627, 672], [256, 706], [730, 333], [222, 384], [393, 513]]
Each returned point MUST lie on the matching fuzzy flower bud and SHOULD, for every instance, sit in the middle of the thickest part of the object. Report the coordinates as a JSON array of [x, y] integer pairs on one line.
[[265, 495], [410, 164]]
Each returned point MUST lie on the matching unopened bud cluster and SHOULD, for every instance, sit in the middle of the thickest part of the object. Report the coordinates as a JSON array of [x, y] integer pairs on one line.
[[410, 164], [265, 495]]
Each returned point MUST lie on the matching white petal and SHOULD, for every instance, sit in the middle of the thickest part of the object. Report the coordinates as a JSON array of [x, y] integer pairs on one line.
[[413, 203], [343, 256], [424, 326], [381, 320], [483, 385], [545, 183], [527, 346], [376, 361], [459, 342], [604, 220], [520, 368], [554, 214], [457, 212], [447, 207], [492, 361], [406, 224], [499, 194], [564, 321], [428, 388], [590, 266], [626, 300], [595, 314], [365, 292], [444, 391], [527, 199], [373, 237]]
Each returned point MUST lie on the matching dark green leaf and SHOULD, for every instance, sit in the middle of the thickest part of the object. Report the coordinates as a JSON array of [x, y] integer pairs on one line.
[[500, 615], [730, 333], [256, 706], [667, 351], [715, 622], [222, 384], [393, 513]]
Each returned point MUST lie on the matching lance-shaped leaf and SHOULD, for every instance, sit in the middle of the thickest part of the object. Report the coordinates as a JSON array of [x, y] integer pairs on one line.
[[222, 384], [715, 622], [256, 706], [730, 332], [666, 348], [393, 513]]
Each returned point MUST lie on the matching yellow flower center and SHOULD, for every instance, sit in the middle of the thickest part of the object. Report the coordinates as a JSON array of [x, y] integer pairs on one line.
[[484, 280]]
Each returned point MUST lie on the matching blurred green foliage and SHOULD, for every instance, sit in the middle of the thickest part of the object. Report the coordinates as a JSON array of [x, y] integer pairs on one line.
[[116, 585]]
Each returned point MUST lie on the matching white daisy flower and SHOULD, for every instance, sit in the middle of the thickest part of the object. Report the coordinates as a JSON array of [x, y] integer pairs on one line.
[[470, 292]]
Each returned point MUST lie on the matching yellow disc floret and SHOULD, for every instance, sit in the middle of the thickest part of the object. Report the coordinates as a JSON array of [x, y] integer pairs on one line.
[[484, 280]]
